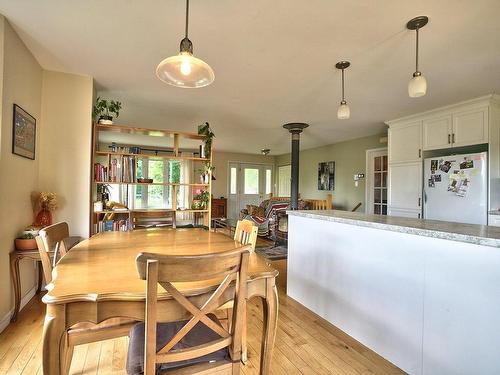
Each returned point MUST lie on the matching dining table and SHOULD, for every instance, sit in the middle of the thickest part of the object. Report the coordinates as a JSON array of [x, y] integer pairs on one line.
[[97, 280]]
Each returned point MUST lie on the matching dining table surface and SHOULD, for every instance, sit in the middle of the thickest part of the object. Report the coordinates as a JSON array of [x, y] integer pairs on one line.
[[98, 280]]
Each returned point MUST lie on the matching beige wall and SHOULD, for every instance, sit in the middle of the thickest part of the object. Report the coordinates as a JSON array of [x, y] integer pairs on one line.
[[349, 157], [21, 84], [221, 161], [66, 146]]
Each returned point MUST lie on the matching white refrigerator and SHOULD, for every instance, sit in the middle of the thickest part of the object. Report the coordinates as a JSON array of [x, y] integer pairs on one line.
[[456, 188]]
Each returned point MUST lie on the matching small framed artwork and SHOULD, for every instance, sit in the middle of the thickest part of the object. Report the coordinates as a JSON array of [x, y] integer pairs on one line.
[[326, 175], [23, 133]]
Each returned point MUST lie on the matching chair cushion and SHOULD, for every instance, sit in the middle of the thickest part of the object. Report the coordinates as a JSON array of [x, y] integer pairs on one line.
[[199, 335]]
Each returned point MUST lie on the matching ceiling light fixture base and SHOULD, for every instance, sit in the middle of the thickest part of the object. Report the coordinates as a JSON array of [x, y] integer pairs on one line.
[[186, 46], [342, 65], [417, 22], [295, 127]]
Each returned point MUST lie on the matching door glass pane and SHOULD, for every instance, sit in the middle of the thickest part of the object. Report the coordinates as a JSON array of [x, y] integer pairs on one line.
[[377, 180], [268, 181], [232, 179], [384, 210], [384, 163], [384, 179], [251, 181], [384, 196], [376, 209], [378, 163], [376, 196]]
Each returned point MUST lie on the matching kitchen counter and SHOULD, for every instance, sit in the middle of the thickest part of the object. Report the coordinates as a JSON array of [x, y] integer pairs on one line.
[[468, 233], [423, 294]]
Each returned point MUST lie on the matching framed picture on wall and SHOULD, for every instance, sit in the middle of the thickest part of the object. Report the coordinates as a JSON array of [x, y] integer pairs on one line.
[[326, 175], [23, 133]]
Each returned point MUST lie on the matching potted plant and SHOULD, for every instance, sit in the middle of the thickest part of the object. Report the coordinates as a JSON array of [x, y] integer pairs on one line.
[[209, 136], [104, 108], [46, 203], [25, 242], [200, 201]]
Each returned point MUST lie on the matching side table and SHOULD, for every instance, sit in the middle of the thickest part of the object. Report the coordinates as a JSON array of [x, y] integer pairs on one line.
[[15, 257]]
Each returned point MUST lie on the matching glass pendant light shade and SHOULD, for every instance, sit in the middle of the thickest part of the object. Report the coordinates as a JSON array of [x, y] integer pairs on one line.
[[417, 86], [344, 112], [185, 70]]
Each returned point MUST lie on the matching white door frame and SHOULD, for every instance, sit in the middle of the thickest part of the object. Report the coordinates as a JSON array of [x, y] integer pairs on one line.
[[369, 177]]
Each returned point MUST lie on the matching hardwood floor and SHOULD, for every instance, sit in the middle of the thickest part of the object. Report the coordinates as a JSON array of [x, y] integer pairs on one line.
[[305, 344]]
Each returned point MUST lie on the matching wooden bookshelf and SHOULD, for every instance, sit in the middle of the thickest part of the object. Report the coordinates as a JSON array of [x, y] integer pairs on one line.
[[125, 166]]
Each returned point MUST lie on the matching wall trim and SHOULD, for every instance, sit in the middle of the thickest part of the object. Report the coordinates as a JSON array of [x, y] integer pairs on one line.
[[24, 301]]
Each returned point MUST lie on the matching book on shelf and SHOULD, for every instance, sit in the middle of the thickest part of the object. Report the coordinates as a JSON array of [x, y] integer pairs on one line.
[[120, 169], [112, 226], [100, 172]]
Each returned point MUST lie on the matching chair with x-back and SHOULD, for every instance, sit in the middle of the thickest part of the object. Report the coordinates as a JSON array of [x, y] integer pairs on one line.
[[200, 344], [246, 233]]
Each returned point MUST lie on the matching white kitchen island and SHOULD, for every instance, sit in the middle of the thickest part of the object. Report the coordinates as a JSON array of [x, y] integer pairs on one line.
[[423, 294]]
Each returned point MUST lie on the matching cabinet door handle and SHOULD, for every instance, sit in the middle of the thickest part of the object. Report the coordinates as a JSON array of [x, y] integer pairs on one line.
[[419, 152], [419, 216], [453, 138], [449, 138], [419, 201]]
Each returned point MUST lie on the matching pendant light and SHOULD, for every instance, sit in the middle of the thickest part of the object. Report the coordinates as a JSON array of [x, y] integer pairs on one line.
[[418, 84], [343, 113], [185, 70]]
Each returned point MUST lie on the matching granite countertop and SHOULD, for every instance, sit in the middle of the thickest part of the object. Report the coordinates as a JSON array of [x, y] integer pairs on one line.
[[469, 233]]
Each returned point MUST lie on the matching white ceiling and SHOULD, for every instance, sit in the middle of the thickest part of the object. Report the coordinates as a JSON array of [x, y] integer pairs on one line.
[[273, 60]]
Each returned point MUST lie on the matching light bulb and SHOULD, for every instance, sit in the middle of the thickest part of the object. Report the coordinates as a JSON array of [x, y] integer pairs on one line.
[[417, 86], [343, 113], [186, 67]]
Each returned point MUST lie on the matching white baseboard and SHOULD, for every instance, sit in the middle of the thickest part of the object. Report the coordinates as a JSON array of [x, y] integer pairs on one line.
[[6, 319]]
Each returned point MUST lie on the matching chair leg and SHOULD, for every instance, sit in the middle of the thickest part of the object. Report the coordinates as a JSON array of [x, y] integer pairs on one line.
[[244, 351], [236, 368]]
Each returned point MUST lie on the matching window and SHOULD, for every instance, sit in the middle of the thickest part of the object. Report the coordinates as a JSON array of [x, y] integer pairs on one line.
[[268, 182], [156, 196], [284, 178], [233, 180], [251, 177]]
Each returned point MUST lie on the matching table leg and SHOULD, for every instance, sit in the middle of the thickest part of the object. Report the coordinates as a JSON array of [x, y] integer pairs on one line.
[[40, 277], [16, 282], [55, 343], [270, 324]]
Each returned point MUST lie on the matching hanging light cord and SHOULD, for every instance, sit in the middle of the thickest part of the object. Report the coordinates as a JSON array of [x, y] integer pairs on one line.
[[343, 98], [187, 17], [416, 54]]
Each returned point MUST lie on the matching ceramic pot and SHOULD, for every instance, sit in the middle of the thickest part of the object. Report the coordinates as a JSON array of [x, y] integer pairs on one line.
[[24, 244], [106, 120]]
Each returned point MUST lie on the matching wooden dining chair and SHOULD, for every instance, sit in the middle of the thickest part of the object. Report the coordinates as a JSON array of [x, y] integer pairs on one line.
[[200, 345], [56, 238], [246, 233]]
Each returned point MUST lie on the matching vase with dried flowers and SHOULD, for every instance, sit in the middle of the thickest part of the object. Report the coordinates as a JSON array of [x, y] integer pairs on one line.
[[47, 202]]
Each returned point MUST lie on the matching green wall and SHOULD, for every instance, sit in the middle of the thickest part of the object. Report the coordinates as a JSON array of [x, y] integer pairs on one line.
[[349, 158]]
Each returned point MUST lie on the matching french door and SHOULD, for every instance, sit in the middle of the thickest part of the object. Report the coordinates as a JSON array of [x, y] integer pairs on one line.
[[376, 182], [248, 184]]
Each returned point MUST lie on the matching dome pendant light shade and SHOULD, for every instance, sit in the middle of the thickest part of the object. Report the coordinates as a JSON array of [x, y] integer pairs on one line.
[[185, 70], [344, 112], [418, 84]]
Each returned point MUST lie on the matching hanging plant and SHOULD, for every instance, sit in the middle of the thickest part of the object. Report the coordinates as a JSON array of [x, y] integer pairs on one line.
[[209, 135]]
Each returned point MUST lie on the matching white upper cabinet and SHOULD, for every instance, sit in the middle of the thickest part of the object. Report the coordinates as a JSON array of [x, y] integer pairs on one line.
[[470, 127], [405, 142], [437, 133]]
